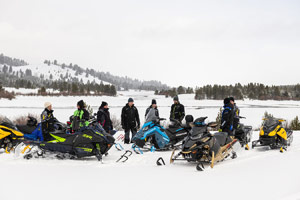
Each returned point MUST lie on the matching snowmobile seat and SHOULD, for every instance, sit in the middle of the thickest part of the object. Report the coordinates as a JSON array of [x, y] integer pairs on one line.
[[26, 129], [221, 137], [174, 130]]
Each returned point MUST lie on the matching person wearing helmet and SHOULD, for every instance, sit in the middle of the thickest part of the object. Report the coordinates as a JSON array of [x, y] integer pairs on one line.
[[47, 120], [80, 117], [177, 110], [227, 117]]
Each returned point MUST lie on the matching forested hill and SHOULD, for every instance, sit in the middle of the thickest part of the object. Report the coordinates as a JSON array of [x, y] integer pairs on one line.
[[48, 72]]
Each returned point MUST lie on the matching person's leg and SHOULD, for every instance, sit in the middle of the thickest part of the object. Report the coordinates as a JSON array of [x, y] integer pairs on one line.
[[127, 138], [133, 132]]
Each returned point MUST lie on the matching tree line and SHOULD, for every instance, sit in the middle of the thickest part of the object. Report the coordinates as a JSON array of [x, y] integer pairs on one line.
[[252, 91], [175, 91]]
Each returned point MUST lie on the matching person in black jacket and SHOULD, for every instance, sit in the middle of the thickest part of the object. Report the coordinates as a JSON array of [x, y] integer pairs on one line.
[[152, 112], [103, 117], [130, 120], [47, 120], [236, 113], [177, 110], [227, 117]]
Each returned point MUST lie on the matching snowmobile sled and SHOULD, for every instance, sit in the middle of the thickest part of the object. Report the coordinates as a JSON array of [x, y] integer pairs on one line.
[[273, 134], [9, 136], [89, 141], [202, 147], [154, 136], [33, 130], [243, 134]]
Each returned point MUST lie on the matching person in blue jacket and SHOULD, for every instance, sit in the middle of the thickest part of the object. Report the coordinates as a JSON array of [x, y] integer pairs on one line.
[[227, 117]]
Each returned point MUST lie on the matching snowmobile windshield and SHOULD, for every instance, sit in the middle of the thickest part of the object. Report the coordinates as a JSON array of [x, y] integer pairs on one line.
[[6, 122], [270, 124], [198, 131]]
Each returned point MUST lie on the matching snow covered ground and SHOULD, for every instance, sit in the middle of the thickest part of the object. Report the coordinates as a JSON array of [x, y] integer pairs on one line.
[[256, 174]]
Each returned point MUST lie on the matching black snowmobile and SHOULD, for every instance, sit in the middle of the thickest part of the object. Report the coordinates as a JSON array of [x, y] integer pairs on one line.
[[201, 146], [89, 141], [243, 134], [153, 136], [273, 134]]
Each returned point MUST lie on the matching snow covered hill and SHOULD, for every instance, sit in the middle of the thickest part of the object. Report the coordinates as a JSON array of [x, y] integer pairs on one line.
[[54, 72]]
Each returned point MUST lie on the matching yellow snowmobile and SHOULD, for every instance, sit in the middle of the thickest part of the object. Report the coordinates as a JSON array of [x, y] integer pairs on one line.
[[272, 134], [9, 136]]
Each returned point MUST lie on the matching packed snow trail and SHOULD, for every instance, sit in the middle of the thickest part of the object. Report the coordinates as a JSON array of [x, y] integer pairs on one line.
[[256, 174]]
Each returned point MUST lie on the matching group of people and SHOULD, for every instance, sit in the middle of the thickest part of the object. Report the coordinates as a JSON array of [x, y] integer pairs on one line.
[[130, 119]]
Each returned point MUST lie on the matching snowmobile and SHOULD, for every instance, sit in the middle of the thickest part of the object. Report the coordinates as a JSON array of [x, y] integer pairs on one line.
[[89, 141], [243, 134], [9, 136], [33, 130], [153, 136], [201, 147], [273, 134]]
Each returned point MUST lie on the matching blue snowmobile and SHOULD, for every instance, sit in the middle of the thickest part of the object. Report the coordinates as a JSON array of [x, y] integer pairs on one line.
[[153, 136]]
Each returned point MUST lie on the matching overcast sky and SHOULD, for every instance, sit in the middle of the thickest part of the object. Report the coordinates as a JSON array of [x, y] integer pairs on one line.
[[177, 42]]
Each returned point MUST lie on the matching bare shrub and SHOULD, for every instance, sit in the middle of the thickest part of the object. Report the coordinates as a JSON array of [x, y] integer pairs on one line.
[[22, 120], [116, 123]]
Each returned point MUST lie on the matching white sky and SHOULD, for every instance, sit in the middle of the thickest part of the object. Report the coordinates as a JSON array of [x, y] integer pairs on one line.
[[177, 42]]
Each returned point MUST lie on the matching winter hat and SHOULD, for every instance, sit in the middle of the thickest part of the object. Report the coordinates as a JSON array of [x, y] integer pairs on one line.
[[176, 98], [130, 100], [153, 102], [80, 104], [47, 104], [103, 104], [226, 101], [231, 99]]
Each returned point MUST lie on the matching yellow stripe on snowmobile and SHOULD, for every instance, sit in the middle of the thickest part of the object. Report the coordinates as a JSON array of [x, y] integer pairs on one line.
[[282, 133], [4, 133]]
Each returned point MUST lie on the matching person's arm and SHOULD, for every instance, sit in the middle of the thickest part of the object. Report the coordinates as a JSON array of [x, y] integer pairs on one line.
[[171, 112], [123, 118], [86, 115], [182, 113], [101, 118], [147, 111], [137, 117]]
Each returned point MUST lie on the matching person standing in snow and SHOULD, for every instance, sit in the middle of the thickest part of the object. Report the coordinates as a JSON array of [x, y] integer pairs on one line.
[[130, 120], [103, 117], [177, 110], [236, 113], [152, 112], [47, 121], [227, 117], [80, 117]]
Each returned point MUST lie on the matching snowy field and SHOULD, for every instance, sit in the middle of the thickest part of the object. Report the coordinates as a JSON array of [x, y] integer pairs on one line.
[[64, 107], [256, 174]]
